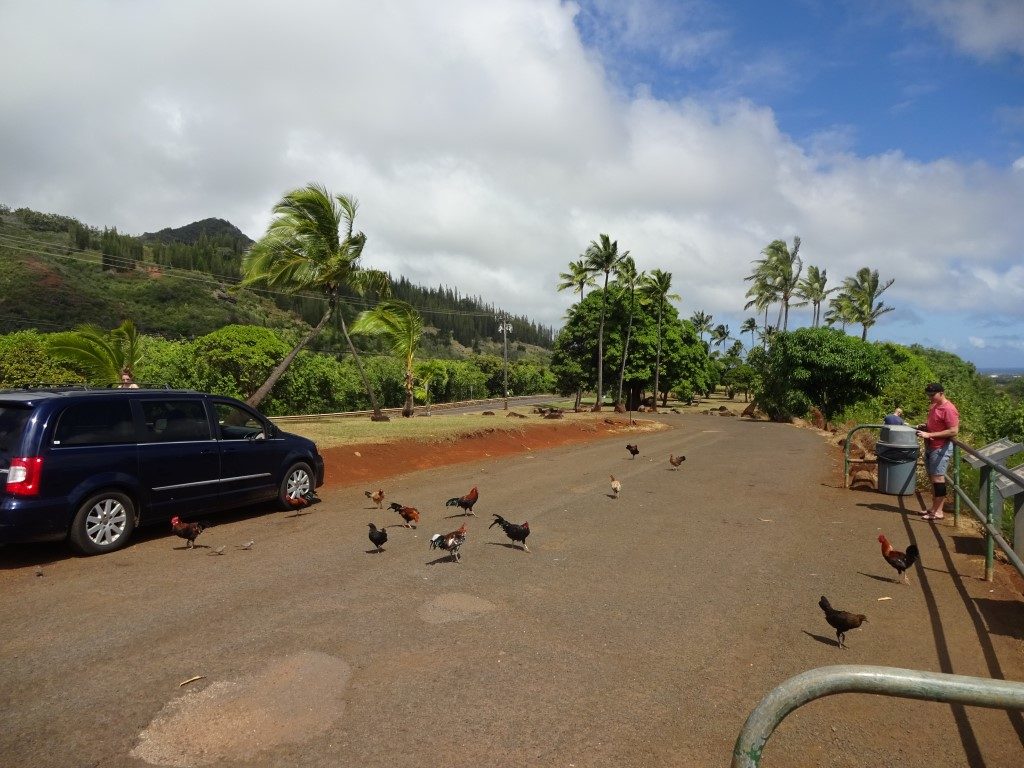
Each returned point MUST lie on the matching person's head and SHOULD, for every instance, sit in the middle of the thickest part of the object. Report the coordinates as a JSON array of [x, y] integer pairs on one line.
[[934, 391], [898, 411], [126, 377]]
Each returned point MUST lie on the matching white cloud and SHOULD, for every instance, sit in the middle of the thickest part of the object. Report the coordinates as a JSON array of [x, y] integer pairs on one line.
[[486, 145], [983, 28]]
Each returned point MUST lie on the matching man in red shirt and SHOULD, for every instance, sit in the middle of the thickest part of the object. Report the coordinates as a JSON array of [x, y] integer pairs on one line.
[[943, 424]]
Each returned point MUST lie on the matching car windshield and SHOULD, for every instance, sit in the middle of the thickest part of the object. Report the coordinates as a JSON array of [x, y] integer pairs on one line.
[[12, 423]]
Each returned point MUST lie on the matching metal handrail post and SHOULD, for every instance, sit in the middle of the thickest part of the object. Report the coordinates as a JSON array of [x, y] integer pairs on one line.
[[956, 484], [886, 681], [990, 543]]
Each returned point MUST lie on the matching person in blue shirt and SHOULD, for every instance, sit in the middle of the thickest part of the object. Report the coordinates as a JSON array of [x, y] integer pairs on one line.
[[895, 418]]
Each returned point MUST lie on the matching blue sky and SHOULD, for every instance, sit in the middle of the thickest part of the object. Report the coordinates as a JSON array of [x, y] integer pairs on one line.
[[489, 143]]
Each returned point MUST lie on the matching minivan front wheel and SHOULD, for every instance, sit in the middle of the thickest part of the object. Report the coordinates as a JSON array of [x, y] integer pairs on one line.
[[298, 482], [103, 523]]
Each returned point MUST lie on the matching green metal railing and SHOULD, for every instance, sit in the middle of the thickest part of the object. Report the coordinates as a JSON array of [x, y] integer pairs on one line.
[[885, 681]]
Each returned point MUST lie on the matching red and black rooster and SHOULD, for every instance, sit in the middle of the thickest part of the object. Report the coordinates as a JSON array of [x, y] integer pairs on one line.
[[514, 531], [450, 542], [465, 503], [187, 531]]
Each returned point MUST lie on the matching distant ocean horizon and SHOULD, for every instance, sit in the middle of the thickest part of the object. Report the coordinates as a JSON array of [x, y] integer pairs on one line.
[[1001, 371]]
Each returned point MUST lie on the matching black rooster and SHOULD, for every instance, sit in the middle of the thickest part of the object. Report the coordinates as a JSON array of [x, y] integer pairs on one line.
[[512, 530], [633, 450], [377, 537]]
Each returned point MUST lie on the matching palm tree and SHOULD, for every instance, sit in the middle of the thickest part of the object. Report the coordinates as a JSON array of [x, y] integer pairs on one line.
[[720, 334], [812, 290], [763, 293], [577, 278], [602, 256], [657, 287], [402, 328], [302, 251], [783, 267], [863, 290], [701, 323], [627, 277], [103, 355], [840, 310], [749, 326], [428, 372]]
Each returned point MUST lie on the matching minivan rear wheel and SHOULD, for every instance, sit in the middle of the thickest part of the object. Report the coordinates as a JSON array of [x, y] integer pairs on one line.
[[298, 481], [103, 523]]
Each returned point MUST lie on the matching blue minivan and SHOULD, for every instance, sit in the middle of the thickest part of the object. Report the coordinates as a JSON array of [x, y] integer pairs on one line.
[[90, 465]]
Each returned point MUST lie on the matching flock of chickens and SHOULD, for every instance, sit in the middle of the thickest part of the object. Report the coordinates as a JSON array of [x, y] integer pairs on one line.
[[451, 542]]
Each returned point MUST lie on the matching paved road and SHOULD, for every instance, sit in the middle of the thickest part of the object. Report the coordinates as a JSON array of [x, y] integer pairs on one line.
[[639, 631]]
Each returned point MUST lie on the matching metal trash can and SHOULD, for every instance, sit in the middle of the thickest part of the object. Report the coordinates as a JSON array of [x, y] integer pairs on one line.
[[897, 451]]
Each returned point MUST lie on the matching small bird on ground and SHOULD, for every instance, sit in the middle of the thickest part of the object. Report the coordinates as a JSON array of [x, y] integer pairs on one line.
[[219, 550], [377, 497], [187, 531], [247, 545], [841, 621], [450, 542], [378, 537], [633, 450], [616, 486], [901, 561], [409, 514], [512, 530], [465, 503], [675, 461], [39, 570]]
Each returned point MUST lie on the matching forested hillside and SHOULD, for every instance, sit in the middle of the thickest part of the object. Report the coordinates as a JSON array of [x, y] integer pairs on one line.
[[179, 283]]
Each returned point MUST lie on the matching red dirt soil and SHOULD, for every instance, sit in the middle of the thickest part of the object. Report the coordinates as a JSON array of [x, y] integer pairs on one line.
[[349, 465]]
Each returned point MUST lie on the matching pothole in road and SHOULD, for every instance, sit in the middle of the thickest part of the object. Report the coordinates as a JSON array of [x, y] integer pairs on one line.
[[290, 700], [453, 606]]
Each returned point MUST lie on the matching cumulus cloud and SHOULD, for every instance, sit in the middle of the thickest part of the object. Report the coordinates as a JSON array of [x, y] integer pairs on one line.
[[982, 28], [487, 146]]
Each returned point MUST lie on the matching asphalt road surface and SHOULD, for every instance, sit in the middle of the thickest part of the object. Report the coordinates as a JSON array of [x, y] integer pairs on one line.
[[638, 631]]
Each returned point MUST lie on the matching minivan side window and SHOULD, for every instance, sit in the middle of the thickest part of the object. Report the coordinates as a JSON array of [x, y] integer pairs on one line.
[[236, 424], [169, 421], [95, 423]]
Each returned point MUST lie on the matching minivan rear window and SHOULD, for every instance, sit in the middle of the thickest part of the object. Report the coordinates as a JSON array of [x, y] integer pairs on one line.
[[12, 424], [93, 423]]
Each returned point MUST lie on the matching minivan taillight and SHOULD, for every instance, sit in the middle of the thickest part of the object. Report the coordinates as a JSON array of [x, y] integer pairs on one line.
[[23, 476]]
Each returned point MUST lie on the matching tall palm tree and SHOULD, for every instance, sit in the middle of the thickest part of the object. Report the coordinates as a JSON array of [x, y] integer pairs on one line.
[[812, 290], [310, 246], [749, 326], [629, 279], [104, 355], [763, 293], [783, 267], [840, 310], [656, 288], [720, 335], [602, 256], [402, 328], [701, 323], [577, 278], [863, 290]]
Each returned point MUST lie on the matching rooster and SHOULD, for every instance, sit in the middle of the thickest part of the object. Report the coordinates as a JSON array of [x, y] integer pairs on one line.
[[675, 461], [303, 499], [616, 486], [512, 530], [378, 537], [465, 503], [901, 561], [841, 621], [187, 531], [377, 497], [450, 542], [409, 514], [633, 450]]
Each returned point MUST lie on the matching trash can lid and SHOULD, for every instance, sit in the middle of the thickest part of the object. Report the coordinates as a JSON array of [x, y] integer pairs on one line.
[[898, 435]]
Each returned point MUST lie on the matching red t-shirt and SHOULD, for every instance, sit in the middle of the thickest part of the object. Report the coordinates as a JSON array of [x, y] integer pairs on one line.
[[941, 416]]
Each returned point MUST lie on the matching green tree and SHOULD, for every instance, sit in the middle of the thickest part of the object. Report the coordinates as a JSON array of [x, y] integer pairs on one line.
[[430, 372], [577, 278], [817, 366], [602, 256], [304, 250], [749, 326], [25, 361], [702, 323], [402, 327], [657, 288], [812, 290], [628, 279], [103, 355]]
